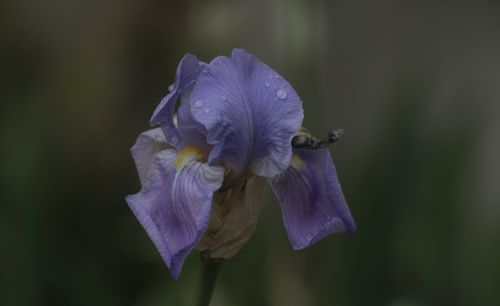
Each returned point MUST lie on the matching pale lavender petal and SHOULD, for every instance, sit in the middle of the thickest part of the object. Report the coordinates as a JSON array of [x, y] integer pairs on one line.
[[187, 71], [191, 132], [312, 202], [174, 206], [250, 114], [144, 150]]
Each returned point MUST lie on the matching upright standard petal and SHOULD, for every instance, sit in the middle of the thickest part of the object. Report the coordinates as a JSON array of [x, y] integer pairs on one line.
[[187, 71], [144, 150], [250, 114], [175, 202], [191, 131], [312, 202]]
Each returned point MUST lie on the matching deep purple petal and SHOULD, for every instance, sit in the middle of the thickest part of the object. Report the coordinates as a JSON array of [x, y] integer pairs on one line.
[[312, 202], [187, 71], [174, 205], [250, 114], [144, 150]]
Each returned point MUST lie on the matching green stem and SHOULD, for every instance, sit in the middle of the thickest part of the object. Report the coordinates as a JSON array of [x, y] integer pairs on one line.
[[209, 274]]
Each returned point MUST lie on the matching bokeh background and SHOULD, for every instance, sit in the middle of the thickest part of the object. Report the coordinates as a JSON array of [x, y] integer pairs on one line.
[[416, 85]]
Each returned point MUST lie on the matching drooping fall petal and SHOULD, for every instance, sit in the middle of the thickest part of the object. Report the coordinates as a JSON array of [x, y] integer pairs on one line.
[[311, 199], [174, 204], [144, 151]]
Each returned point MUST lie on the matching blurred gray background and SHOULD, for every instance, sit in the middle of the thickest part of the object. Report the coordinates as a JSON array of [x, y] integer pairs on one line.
[[416, 85]]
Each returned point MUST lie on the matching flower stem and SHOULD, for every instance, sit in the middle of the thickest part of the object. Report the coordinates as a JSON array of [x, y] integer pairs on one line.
[[209, 274]]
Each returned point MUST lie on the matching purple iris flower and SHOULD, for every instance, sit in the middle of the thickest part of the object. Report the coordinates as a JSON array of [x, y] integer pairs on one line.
[[221, 125]]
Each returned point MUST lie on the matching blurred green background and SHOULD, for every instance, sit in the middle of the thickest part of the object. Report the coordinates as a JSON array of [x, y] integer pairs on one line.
[[416, 85]]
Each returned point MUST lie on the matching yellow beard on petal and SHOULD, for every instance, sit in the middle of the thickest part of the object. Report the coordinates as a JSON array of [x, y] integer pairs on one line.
[[188, 154], [297, 162]]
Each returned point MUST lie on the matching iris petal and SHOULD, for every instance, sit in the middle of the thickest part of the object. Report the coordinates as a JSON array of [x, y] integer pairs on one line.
[[174, 205], [250, 114], [312, 202], [189, 129], [187, 71], [144, 150]]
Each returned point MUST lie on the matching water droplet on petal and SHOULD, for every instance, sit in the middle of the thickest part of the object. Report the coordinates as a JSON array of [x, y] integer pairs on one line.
[[199, 103], [223, 98], [171, 87], [267, 84], [281, 94]]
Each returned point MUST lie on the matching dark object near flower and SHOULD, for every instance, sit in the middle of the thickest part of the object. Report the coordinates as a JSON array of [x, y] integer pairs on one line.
[[234, 126]]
